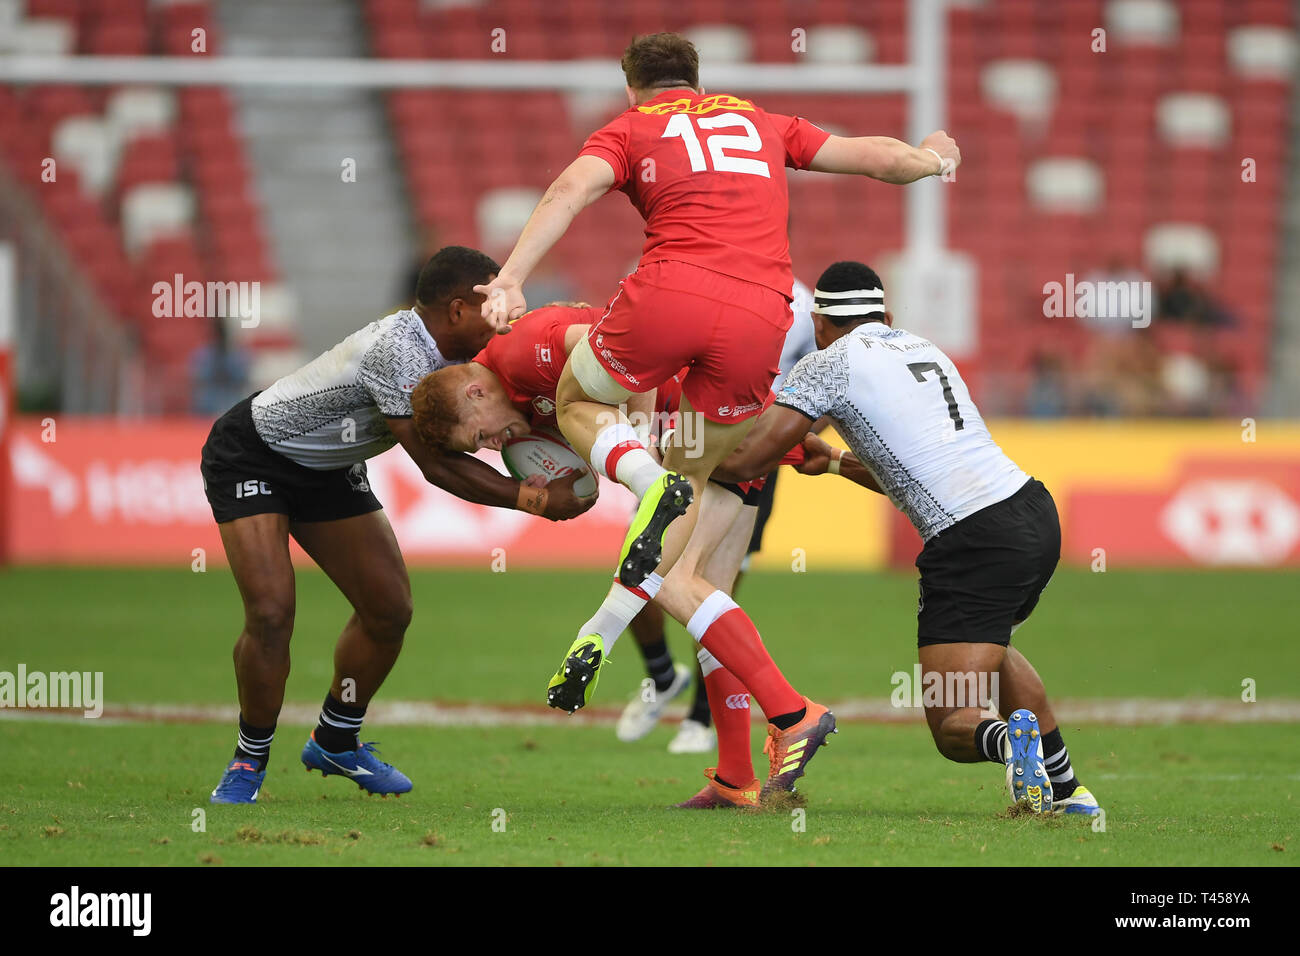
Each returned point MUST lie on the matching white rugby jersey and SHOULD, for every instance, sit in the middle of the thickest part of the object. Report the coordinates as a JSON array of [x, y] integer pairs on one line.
[[904, 410], [802, 336], [330, 413]]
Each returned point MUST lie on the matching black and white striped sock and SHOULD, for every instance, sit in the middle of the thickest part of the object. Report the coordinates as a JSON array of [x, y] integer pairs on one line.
[[1057, 761], [990, 738], [659, 665], [254, 743], [339, 726]]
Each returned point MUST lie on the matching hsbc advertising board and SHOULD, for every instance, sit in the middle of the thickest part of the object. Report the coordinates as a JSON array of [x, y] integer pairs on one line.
[[103, 491]]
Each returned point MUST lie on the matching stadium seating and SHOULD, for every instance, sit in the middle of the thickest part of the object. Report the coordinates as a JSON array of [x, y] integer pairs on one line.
[[1076, 160], [150, 182], [1097, 134]]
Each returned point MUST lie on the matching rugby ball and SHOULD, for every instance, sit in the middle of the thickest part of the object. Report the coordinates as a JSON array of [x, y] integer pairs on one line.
[[543, 451]]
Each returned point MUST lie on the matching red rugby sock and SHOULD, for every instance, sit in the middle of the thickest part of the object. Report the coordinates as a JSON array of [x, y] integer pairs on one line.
[[723, 629], [729, 704]]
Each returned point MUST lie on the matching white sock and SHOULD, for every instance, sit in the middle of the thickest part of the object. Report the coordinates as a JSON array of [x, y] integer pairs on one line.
[[617, 610], [636, 468], [638, 471]]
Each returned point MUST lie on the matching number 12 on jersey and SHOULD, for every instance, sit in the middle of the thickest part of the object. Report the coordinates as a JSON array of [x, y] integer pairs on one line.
[[918, 370], [680, 125]]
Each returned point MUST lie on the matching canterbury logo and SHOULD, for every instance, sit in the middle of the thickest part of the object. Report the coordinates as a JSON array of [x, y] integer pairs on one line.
[[738, 702], [1035, 795], [719, 101]]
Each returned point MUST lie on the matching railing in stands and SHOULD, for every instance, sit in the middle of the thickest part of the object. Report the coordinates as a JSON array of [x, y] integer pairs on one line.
[[71, 354]]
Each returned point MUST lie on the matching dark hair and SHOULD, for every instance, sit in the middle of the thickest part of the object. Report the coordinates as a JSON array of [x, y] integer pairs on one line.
[[661, 60], [849, 277], [452, 273]]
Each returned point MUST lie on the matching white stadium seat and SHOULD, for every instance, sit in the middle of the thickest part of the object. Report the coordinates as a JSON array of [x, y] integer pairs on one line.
[[1199, 120], [1153, 22], [43, 37], [1026, 88], [720, 43], [1174, 245], [502, 214], [83, 142], [277, 312], [835, 43], [1262, 52], [1065, 184], [155, 210], [591, 109], [140, 110]]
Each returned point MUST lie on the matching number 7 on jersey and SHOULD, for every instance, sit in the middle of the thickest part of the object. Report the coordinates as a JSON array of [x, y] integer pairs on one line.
[[918, 370]]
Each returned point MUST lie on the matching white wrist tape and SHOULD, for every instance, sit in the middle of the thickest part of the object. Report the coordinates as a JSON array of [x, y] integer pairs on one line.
[[936, 156], [834, 467]]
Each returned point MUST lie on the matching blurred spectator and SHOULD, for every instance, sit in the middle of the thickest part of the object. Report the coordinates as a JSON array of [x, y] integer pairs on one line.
[[1226, 397], [1047, 396], [1182, 299], [1185, 381], [1122, 382], [220, 373]]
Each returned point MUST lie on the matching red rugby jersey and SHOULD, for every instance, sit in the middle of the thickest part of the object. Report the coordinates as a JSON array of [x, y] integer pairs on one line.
[[529, 359], [707, 174]]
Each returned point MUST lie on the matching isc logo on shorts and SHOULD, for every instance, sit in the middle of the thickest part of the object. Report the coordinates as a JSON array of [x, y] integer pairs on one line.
[[738, 702], [251, 487]]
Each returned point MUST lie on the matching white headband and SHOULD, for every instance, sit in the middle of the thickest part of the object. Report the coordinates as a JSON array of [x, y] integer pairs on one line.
[[856, 302]]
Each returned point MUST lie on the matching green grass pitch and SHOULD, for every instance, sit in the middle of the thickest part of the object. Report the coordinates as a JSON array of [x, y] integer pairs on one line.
[[107, 792]]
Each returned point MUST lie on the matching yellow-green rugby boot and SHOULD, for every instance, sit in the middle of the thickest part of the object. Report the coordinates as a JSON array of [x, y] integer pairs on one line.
[[643, 548], [574, 683]]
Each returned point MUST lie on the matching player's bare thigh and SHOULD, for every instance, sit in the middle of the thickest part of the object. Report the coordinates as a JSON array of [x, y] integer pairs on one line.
[[257, 547], [361, 556], [583, 396]]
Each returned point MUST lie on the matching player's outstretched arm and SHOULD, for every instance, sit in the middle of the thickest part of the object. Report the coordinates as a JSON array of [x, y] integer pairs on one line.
[[887, 159], [818, 458], [472, 480], [778, 430], [585, 180]]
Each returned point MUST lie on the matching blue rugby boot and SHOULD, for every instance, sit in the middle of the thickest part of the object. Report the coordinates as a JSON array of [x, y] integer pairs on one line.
[[1027, 778], [241, 783], [361, 766]]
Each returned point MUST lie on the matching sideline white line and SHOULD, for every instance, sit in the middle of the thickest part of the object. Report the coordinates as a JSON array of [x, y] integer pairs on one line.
[[1121, 711]]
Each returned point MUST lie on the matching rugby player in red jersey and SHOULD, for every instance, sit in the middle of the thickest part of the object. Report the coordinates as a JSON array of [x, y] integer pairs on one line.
[[711, 292], [508, 390], [290, 461]]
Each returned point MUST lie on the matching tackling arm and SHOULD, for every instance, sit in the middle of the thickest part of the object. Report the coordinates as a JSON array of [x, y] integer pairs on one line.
[[818, 456], [778, 430], [472, 480]]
